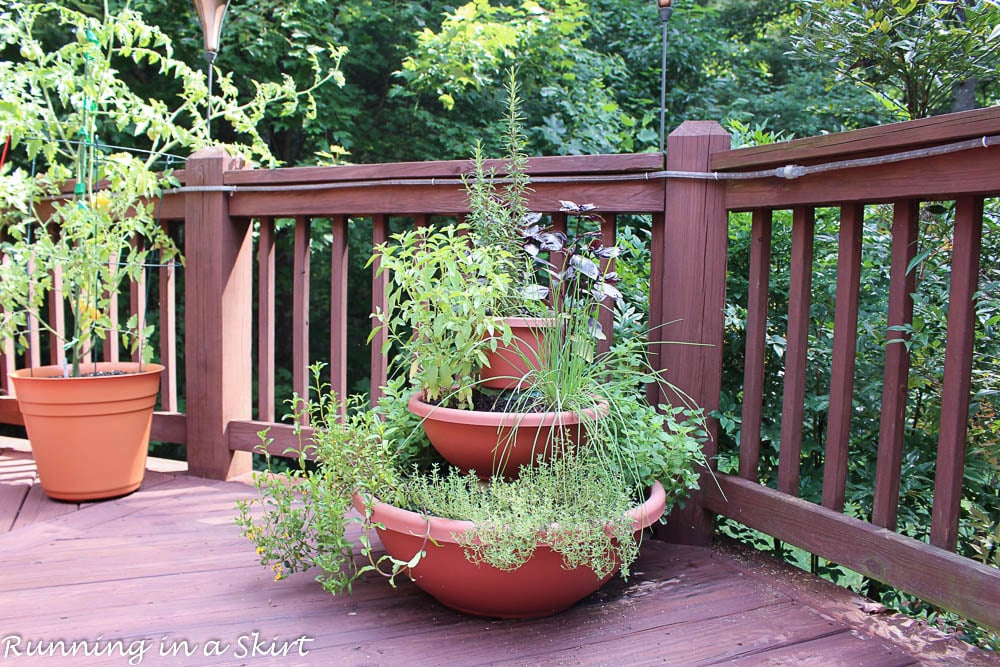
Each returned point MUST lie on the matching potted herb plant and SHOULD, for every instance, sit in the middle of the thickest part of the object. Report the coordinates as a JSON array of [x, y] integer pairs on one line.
[[570, 464], [78, 219], [542, 523]]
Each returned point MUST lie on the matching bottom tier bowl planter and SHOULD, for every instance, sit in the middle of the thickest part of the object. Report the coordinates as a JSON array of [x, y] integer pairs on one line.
[[540, 587], [89, 435]]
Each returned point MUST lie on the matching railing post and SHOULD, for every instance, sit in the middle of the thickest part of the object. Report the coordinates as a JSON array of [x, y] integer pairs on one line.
[[218, 319], [692, 295]]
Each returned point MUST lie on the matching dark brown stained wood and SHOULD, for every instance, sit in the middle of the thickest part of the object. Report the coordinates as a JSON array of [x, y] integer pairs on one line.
[[137, 307], [944, 129], [172, 552], [655, 299], [380, 283], [897, 364], [796, 347], [845, 337], [338, 307], [756, 346], [110, 342], [421, 220], [300, 309], [217, 296], [957, 380], [34, 355], [7, 358], [693, 293], [57, 318], [265, 319], [609, 234], [244, 436], [620, 197], [171, 207], [936, 575], [17, 475], [169, 427], [560, 165], [971, 172], [168, 334], [9, 412]]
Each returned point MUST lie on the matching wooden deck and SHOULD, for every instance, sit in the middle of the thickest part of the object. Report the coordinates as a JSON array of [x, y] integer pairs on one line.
[[165, 571]]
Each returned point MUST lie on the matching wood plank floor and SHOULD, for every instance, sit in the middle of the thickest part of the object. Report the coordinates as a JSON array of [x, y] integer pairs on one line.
[[162, 577]]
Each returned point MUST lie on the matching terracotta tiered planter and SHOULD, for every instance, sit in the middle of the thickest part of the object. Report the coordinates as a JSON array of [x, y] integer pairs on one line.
[[89, 435], [540, 587], [497, 442], [506, 365]]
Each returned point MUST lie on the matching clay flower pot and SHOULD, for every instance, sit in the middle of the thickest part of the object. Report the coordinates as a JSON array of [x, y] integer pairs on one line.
[[89, 435], [506, 365], [498, 442], [540, 587]]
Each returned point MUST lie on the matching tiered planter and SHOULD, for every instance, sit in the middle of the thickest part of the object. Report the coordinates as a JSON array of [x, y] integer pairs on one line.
[[540, 587], [498, 442], [89, 435], [510, 362]]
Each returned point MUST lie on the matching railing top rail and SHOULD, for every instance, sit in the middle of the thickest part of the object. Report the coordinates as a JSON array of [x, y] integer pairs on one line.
[[864, 142], [538, 166]]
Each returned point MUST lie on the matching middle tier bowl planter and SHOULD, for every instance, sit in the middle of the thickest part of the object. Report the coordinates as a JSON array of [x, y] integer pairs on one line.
[[539, 587], [498, 442]]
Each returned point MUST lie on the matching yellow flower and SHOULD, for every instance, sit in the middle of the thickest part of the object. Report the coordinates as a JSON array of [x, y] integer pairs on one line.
[[260, 551], [101, 201]]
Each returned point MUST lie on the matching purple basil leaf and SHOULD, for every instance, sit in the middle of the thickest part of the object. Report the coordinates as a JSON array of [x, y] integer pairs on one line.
[[585, 266], [531, 218], [531, 249], [552, 240], [595, 328], [609, 252], [534, 292]]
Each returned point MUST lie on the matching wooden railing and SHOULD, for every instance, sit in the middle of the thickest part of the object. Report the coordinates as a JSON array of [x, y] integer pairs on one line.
[[227, 219]]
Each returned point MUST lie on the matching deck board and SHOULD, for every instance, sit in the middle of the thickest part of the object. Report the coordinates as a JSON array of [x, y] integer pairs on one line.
[[165, 569]]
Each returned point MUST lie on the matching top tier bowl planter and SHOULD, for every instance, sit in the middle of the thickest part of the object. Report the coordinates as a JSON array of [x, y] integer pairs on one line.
[[506, 366], [89, 434]]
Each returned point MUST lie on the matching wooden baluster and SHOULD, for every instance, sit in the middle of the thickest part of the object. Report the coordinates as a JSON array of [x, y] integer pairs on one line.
[[379, 361], [300, 309], [168, 333], [339, 249], [755, 351], [265, 319], [796, 346], [845, 342], [897, 364], [957, 381], [609, 234]]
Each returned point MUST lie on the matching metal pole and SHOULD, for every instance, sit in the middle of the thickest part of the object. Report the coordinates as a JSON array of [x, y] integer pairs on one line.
[[210, 57], [666, 9]]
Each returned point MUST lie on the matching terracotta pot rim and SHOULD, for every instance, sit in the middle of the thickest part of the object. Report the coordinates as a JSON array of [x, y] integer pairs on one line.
[[424, 410], [530, 322], [444, 530], [55, 372]]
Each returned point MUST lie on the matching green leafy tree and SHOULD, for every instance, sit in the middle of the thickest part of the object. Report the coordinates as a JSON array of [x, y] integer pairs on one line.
[[914, 55]]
